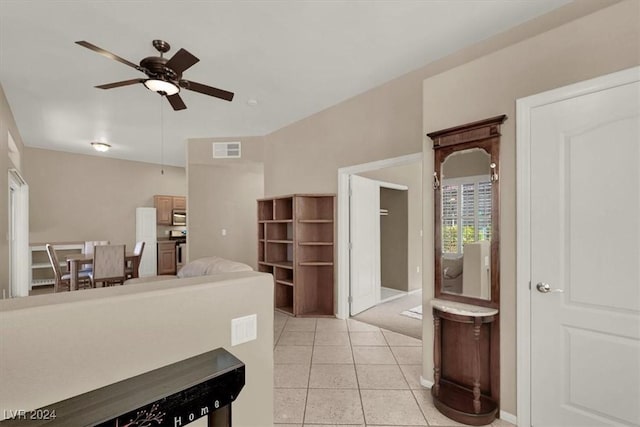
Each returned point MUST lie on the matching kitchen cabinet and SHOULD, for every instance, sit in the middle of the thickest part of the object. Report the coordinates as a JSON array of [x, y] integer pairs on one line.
[[165, 205], [179, 203], [166, 257]]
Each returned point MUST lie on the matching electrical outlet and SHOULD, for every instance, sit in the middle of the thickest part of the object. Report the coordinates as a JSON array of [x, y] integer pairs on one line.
[[244, 329], [224, 232], [418, 269]]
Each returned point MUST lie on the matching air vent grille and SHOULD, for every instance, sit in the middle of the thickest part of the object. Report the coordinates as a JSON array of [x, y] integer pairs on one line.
[[226, 150]]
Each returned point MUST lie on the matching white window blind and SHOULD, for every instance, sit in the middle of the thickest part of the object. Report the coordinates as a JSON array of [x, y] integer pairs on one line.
[[466, 212]]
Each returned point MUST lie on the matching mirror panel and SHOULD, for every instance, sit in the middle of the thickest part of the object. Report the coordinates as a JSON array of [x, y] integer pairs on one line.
[[467, 214], [466, 224]]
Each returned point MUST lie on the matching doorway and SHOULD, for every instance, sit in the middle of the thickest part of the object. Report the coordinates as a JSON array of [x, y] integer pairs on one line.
[[378, 241], [18, 236], [414, 268], [578, 245]]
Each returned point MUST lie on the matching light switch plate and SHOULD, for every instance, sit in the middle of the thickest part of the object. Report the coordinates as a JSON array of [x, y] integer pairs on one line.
[[244, 329]]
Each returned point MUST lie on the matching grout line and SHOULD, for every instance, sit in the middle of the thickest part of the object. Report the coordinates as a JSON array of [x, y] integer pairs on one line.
[[355, 368], [306, 398]]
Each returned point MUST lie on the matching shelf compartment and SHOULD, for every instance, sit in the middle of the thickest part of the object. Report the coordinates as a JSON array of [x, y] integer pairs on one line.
[[315, 232], [317, 294], [279, 252], [261, 228], [284, 276], [284, 297], [313, 253], [261, 246], [279, 231], [265, 210], [264, 267], [283, 208], [315, 208]]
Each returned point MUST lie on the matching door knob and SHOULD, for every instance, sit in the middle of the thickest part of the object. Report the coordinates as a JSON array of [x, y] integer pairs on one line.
[[545, 288]]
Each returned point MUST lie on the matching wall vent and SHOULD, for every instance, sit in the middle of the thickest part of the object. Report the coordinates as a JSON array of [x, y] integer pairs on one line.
[[226, 150]]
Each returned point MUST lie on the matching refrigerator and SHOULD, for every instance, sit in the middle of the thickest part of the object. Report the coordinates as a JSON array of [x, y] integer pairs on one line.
[[146, 231]]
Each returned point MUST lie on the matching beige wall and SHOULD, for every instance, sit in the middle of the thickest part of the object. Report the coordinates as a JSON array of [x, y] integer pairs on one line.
[[222, 195], [75, 197], [606, 41], [156, 324], [411, 176], [381, 123], [7, 124]]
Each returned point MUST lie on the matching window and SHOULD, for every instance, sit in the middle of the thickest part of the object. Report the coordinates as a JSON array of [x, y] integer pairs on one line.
[[466, 212]]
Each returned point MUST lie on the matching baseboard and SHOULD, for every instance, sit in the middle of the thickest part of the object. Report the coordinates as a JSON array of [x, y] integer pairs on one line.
[[425, 383], [510, 418]]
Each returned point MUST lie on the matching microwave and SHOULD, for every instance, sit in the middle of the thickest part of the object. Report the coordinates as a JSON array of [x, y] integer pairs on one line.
[[178, 217]]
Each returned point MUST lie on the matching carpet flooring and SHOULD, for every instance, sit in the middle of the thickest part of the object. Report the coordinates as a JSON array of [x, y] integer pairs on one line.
[[388, 316]]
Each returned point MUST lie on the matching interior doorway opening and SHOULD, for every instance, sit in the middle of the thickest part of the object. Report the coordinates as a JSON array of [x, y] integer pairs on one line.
[[375, 172]]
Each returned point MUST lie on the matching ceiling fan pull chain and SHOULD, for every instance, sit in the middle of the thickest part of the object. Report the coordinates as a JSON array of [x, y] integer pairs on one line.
[[161, 138]]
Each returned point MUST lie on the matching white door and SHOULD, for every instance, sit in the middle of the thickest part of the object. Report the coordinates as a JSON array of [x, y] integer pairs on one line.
[[364, 226], [146, 232], [585, 242]]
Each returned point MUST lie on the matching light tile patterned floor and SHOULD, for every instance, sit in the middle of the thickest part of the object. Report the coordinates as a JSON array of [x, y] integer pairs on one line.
[[345, 372]]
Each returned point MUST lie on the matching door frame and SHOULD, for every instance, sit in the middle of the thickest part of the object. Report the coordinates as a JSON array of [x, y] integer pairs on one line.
[[524, 107], [343, 267], [19, 268]]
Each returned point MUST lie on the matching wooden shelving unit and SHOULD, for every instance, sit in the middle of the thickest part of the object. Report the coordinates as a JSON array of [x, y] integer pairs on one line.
[[296, 244]]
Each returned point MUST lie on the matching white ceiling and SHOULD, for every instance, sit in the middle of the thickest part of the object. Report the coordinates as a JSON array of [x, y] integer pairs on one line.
[[294, 57]]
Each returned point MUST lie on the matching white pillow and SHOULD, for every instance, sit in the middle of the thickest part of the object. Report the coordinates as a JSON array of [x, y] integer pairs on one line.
[[211, 265]]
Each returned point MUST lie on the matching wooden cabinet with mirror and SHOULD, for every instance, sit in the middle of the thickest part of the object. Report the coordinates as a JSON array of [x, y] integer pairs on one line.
[[466, 308]]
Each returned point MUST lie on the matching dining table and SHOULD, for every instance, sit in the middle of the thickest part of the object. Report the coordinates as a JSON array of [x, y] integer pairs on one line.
[[75, 261]]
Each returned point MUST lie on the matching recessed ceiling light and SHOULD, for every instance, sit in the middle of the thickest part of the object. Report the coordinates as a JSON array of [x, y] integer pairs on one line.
[[252, 102], [100, 146]]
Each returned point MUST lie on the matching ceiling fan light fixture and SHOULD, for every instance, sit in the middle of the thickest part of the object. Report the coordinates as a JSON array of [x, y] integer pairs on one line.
[[100, 146], [157, 85]]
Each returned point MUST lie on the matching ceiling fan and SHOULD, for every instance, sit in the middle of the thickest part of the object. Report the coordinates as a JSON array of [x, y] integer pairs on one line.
[[164, 76]]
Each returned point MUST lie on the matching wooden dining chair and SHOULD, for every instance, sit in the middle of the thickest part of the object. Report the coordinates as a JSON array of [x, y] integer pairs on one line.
[[90, 244], [108, 264], [88, 250], [129, 268], [62, 282]]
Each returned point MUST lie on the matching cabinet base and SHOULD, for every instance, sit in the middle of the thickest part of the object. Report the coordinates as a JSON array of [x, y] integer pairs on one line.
[[457, 403]]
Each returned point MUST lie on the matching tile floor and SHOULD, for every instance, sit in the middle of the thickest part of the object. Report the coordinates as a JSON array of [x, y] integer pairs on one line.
[[345, 372]]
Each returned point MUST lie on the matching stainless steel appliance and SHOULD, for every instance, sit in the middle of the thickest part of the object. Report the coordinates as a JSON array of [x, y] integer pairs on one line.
[[178, 217], [180, 237]]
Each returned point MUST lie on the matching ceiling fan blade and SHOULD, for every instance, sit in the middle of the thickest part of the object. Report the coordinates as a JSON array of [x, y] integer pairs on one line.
[[108, 54], [118, 84], [176, 102], [181, 61], [207, 90]]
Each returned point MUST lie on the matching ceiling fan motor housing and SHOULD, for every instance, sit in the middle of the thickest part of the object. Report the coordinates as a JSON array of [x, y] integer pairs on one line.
[[155, 66]]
